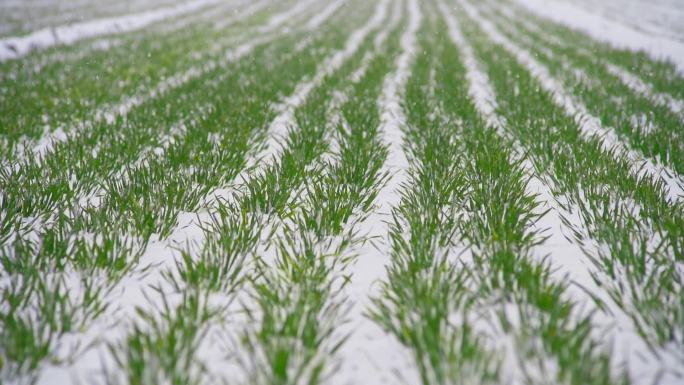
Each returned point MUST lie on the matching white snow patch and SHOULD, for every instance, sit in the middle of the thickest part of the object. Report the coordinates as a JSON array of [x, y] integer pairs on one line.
[[602, 29], [371, 355], [589, 125]]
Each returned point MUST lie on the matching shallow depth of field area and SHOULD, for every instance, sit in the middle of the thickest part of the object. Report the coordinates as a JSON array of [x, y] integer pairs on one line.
[[342, 192]]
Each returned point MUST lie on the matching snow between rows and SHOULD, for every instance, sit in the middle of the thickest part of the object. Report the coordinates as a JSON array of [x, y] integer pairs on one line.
[[325, 14], [629, 79], [285, 119], [370, 355], [159, 256], [602, 29], [589, 124], [17, 47], [110, 113], [567, 258]]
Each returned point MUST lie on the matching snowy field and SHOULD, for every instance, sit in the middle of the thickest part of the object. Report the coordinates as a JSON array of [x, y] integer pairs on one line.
[[343, 192]]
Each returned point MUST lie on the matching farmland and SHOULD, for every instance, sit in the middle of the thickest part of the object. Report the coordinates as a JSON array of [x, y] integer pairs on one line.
[[341, 192]]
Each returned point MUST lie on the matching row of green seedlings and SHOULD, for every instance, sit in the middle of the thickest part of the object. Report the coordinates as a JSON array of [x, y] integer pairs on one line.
[[299, 290], [651, 128], [224, 12], [634, 227], [77, 95], [471, 196], [568, 261], [269, 203], [23, 18], [96, 242], [673, 250], [41, 186], [590, 125], [228, 15], [358, 358], [661, 74], [628, 77]]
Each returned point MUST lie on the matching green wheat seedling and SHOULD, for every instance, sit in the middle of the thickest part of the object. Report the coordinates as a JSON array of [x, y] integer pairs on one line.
[[214, 198], [424, 288], [581, 171], [662, 74], [653, 129]]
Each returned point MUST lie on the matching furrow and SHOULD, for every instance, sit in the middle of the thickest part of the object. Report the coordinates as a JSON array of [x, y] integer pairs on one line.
[[634, 252], [224, 226], [18, 47], [604, 30], [590, 125], [285, 119], [567, 258], [371, 355], [645, 126]]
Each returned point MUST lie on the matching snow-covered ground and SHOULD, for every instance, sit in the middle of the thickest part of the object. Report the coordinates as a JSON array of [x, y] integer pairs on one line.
[[624, 28], [63, 191]]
